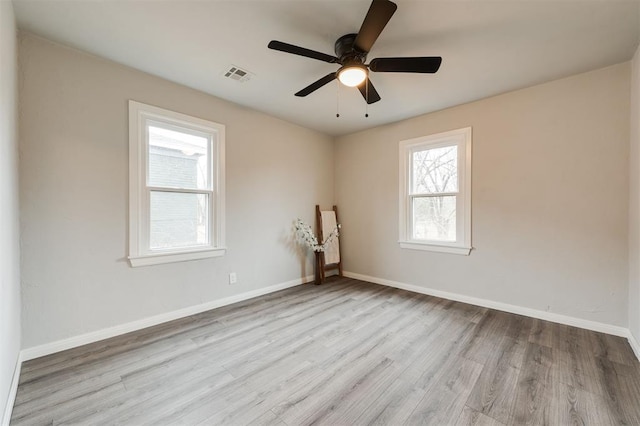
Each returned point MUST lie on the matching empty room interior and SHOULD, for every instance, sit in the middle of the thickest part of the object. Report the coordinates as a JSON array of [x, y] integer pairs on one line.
[[292, 212]]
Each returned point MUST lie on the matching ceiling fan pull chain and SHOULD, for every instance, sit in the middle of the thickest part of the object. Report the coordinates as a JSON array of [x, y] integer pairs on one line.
[[366, 101], [338, 101]]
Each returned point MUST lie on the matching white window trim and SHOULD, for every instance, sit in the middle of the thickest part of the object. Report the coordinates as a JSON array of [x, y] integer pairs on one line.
[[461, 138], [139, 253]]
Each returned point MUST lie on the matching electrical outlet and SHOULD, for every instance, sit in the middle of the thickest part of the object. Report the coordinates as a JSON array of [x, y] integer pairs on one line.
[[233, 278]]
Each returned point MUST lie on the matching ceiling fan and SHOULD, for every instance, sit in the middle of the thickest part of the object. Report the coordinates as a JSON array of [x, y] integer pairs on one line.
[[351, 53]]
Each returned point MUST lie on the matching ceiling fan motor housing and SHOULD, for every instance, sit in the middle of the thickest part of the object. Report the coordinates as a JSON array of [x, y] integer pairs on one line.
[[347, 52]]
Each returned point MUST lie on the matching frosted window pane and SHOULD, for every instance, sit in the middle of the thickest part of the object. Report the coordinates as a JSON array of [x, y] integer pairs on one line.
[[178, 220], [435, 170], [434, 218], [177, 160]]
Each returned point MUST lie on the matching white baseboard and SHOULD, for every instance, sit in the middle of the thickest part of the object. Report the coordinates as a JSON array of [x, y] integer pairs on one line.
[[94, 336], [634, 344], [72, 342], [13, 391], [514, 309]]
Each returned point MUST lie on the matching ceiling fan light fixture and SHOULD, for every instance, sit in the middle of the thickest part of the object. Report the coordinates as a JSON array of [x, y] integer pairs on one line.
[[352, 75]]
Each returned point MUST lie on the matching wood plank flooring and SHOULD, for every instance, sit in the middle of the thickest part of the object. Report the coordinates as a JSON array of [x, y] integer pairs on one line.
[[344, 353]]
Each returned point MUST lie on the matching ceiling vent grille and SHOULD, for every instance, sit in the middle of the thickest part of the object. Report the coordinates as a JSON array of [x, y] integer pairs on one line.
[[238, 74]]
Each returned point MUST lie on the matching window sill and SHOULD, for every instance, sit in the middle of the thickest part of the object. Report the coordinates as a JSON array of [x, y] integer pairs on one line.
[[412, 245], [159, 258]]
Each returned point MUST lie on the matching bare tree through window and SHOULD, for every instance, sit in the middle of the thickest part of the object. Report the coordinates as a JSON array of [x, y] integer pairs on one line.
[[434, 186]]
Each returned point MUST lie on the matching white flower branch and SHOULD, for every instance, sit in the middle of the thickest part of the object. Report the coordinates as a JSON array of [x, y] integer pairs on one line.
[[305, 236]]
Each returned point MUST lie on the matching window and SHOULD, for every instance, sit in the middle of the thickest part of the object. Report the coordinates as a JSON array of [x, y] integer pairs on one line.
[[435, 192], [176, 186]]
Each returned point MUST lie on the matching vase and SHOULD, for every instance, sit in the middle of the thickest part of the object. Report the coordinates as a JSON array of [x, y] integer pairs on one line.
[[317, 268]]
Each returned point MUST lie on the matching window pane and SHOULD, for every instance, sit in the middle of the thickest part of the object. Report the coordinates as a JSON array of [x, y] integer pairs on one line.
[[435, 170], [178, 220], [434, 218], [177, 159]]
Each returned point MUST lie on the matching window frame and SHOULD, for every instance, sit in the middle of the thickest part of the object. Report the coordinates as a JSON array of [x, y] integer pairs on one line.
[[140, 252], [461, 138]]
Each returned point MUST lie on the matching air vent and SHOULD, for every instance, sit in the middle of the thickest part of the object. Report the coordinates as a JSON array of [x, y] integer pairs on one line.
[[238, 74]]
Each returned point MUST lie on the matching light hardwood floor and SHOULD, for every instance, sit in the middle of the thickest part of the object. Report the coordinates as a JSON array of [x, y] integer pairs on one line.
[[343, 353]]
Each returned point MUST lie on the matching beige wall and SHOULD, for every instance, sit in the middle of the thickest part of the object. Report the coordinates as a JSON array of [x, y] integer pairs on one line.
[[634, 201], [9, 227], [74, 185], [550, 199]]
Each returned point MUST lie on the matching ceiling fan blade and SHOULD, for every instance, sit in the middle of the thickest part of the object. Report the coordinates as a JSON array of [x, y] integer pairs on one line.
[[379, 14], [317, 84], [427, 64], [297, 50], [367, 88]]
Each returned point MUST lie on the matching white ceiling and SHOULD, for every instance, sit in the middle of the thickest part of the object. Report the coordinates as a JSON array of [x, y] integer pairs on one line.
[[488, 47]]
